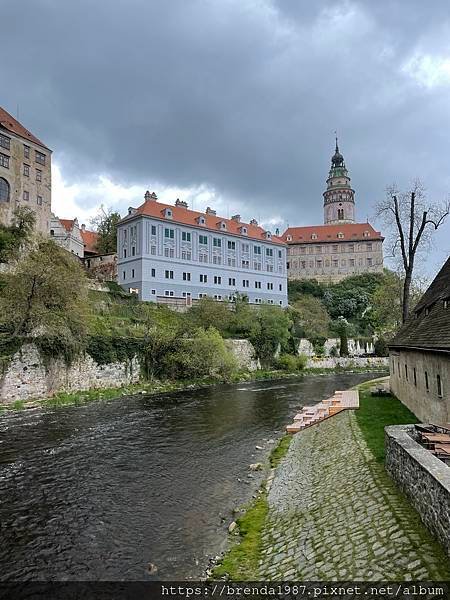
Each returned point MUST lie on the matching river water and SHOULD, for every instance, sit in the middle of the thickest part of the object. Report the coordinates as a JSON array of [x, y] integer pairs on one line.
[[98, 492]]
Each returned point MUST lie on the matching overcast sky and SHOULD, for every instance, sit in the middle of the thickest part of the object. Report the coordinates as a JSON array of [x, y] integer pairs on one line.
[[232, 103]]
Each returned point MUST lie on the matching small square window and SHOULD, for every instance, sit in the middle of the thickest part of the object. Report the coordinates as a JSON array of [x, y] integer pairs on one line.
[[39, 200], [40, 158], [26, 196], [26, 170], [26, 151], [38, 175]]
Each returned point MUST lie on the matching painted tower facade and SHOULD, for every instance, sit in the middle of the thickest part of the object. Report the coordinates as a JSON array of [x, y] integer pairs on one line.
[[339, 197]]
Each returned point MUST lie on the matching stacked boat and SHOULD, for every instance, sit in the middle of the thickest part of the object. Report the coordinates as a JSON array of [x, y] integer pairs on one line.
[[310, 415]]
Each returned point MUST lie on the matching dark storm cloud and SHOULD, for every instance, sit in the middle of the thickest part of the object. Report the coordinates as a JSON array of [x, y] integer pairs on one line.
[[241, 95]]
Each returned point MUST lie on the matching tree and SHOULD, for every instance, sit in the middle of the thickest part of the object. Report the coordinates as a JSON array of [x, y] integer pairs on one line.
[[273, 331], [15, 236], [105, 224], [46, 292], [210, 313], [313, 317], [410, 220]]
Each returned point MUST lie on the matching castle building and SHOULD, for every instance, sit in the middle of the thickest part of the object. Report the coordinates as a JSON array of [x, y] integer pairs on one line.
[[173, 255], [341, 247], [25, 173]]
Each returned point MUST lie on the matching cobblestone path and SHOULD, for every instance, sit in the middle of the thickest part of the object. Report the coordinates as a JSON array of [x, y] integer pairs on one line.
[[334, 514]]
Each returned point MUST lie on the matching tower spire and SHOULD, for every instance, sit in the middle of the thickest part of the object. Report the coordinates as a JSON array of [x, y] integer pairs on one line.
[[339, 198]]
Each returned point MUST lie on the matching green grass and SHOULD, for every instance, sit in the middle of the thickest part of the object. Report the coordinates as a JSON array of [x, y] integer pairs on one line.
[[375, 413], [280, 451], [241, 561]]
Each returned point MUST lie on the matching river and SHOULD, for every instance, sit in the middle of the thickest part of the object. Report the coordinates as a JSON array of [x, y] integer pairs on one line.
[[98, 492]]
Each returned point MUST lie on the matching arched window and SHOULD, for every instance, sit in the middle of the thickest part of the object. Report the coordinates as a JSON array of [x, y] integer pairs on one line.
[[4, 190]]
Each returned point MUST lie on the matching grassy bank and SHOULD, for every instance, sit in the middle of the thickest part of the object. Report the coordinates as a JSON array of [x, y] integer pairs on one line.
[[161, 387], [375, 413]]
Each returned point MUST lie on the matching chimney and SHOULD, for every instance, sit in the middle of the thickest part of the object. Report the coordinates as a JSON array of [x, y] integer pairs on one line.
[[236, 218], [254, 222], [148, 196], [181, 203], [83, 227], [210, 211]]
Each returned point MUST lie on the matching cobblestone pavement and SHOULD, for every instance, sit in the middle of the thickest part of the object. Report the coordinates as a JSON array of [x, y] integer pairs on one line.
[[334, 514]]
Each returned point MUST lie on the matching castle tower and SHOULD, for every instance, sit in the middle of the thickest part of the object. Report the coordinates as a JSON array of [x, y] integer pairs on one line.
[[339, 198]]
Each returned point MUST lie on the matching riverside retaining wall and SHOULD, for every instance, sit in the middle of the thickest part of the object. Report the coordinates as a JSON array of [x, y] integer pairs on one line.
[[28, 376], [348, 362], [422, 477]]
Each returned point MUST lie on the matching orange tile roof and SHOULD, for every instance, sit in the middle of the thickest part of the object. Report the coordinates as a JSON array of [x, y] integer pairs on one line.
[[67, 223], [185, 216], [8, 122], [329, 233], [89, 240]]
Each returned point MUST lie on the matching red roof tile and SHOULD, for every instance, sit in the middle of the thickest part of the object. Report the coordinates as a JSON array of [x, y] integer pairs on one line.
[[89, 240], [67, 223], [329, 233], [185, 216], [11, 124]]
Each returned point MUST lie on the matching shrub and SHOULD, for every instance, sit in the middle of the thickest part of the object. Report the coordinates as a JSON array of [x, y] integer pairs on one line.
[[204, 354], [291, 363]]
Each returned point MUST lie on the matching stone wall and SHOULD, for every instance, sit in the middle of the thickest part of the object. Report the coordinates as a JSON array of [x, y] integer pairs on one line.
[[28, 377], [244, 353], [355, 348], [422, 477], [414, 380], [347, 362]]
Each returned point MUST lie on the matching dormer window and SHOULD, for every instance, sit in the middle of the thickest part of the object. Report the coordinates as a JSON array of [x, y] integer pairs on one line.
[[289, 238], [314, 236], [366, 234], [243, 230], [222, 225], [268, 235], [340, 235], [168, 213], [201, 220]]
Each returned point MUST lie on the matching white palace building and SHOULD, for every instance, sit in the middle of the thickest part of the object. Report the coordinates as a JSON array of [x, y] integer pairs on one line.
[[174, 255]]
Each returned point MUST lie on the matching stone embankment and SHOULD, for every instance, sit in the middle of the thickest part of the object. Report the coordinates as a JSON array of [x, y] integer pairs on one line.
[[359, 362], [29, 376], [334, 514]]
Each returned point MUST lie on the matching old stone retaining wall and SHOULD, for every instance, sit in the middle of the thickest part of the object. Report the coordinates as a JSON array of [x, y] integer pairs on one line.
[[422, 477], [244, 353], [28, 377], [348, 362]]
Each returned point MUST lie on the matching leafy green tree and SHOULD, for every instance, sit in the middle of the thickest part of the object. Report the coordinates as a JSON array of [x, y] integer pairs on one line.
[[203, 354], [15, 236], [313, 317], [105, 223], [210, 313], [273, 332], [46, 293], [342, 328]]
